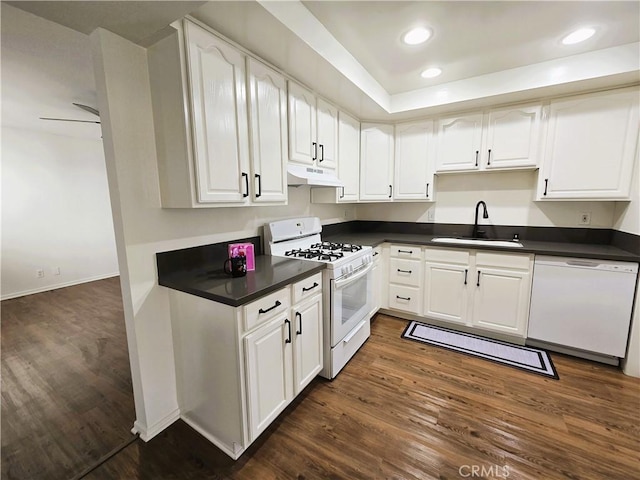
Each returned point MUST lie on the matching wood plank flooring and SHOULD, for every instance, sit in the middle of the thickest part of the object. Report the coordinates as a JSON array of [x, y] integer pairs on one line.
[[399, 410], [403, 410], [66, 383]]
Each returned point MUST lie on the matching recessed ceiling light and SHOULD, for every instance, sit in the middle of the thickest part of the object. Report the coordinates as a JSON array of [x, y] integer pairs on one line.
[[431, 72], [416, 36], [578, 36]]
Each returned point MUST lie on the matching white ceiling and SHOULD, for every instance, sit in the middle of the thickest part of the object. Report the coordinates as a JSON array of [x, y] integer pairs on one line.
[[348, 52]]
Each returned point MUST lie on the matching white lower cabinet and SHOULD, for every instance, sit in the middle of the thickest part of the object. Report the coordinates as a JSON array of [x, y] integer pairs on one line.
[[481, 289], [238, 368], [405, 278]]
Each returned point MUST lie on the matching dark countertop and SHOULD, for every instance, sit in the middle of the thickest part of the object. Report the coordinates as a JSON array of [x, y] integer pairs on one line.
[[270, 274], [563, 249]]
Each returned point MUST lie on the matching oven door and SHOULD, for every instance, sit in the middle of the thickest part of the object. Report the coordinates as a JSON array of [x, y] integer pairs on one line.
[[351, 301]]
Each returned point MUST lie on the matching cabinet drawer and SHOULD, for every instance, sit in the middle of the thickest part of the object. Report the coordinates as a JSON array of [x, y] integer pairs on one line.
[[307, 288], [266, 308], [405, 272], [406, 251], [406, 299], [505, 260], [446, 255]]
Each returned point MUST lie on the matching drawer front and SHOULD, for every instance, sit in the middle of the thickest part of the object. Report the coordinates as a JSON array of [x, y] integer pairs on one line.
[[265, 308], [446, 255], [307, 288], [349, 345], [406, 299], [406, 251], [504, 260], [405, 272]]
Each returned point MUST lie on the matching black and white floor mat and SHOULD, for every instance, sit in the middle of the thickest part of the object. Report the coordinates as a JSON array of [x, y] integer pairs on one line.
[[526, 358]]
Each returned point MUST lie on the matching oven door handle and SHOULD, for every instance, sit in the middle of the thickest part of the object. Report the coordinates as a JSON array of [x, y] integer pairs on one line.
[[338, 284]]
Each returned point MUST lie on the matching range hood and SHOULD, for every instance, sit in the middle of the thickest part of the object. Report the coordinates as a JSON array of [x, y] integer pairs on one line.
[[300, 175]]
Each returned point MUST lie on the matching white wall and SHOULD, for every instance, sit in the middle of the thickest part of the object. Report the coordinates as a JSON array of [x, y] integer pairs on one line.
[[55, 212], [144, 228], [509, 198]]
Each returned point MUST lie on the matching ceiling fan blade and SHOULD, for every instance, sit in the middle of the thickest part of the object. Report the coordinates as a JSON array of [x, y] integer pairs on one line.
[[88, 109], [69, 120]]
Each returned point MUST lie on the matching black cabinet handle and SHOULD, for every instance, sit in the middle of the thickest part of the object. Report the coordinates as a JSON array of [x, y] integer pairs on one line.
[[427, 191], [478, 283], [315, 151], [288, 340], [403, 298], [342, 192], [465, 275], [375, 253], [477, 153], [299, 315], [404, 271], [546, 184], [405, 251], [315, 284], [390, 190], [321, 153], [259, 194], [489, 158], [277, 304], [246, 184]]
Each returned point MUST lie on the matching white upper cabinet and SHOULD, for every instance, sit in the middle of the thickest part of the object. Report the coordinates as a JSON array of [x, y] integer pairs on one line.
[[590, 147], [268, 119], [219, 116], [413, 176], [376, 162], [199, 96], [327, 124], [504, 138], [313, 129], [512, 136], [459, 143]]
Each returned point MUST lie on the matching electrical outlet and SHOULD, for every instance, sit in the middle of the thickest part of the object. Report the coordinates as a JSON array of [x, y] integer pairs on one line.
[[585, 218], [431, 214], [56, 271], [346, 214], [39, 273]]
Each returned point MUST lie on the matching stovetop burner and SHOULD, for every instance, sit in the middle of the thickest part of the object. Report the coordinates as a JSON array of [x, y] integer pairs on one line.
[[314, 254], [342, 247]]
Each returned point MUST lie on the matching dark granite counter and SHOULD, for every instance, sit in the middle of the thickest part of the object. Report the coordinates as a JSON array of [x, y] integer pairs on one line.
[[564, 249], [271, 274]]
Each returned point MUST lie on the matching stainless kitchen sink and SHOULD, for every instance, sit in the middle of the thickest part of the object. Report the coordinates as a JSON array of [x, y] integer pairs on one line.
[[477, 241]]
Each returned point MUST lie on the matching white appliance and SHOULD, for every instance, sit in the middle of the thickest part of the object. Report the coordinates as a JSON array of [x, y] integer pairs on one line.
[[347, 285], [582, 304]]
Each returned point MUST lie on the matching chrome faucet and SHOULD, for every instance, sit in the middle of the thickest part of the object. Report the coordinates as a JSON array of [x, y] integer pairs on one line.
[[477, 232]]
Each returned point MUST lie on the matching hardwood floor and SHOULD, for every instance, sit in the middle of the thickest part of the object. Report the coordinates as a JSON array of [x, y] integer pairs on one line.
[[404, 410], [66, 383]]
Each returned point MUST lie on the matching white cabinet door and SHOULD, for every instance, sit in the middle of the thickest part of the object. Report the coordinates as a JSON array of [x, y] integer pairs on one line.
[[269, 149], [307, 342], [219, 117], [413, 178], [376, 162], [512, 137], [501, 300], [590, 147], [348, 157], [446, 291], [459, 143], [327, 135], [303, 148], [269, 373]]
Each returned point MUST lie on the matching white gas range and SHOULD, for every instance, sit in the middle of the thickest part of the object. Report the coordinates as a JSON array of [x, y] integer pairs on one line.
[[347, 285]]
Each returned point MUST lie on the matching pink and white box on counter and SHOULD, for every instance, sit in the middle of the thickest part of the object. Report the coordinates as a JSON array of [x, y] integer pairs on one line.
[[243, 250]]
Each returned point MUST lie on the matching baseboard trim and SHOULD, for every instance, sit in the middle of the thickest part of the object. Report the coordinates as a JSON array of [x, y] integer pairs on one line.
[[233, 453], [24, 293], [147, 433]]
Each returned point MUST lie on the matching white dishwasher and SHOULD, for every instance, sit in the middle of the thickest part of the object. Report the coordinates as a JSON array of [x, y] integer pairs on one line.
[[582, 304]]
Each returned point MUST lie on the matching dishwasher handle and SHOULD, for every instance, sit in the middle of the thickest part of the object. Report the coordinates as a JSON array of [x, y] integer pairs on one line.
[[582, 263]]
